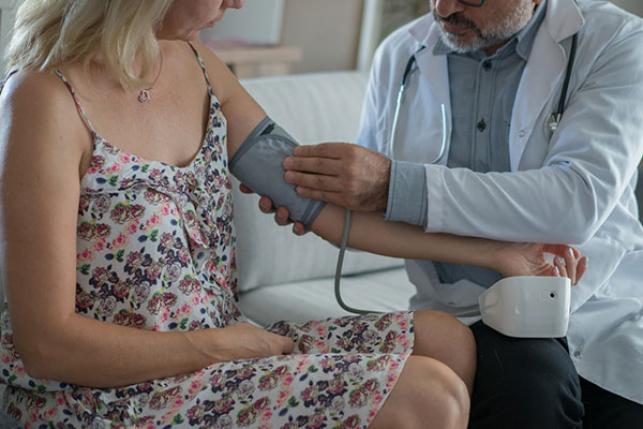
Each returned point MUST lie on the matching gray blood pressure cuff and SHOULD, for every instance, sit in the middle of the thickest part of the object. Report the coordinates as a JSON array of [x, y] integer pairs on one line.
[[258, 165]]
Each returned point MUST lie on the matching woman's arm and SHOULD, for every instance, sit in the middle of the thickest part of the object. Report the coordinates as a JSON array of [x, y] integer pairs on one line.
[[370, 232], [39, 188]]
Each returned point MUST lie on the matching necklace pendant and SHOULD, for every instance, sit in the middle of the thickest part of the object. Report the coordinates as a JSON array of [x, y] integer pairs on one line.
[[144, 96]]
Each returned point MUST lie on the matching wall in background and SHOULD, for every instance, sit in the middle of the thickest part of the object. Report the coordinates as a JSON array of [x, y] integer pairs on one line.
[[7, 17], [396, 13], [328, 32], [334, 34], [260, 21], [634, 6]]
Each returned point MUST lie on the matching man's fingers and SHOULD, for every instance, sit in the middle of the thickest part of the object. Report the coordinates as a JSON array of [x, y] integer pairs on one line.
[[314, 181], [265, 205], [299, 229], [313, 194], [281, 216], [324, 150], [329, 167]]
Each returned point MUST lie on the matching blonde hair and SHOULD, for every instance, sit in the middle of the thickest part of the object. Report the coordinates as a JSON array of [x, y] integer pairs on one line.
[[50, 33]]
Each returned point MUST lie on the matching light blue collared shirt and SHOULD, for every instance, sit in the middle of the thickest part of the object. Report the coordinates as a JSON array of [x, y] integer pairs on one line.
[[483, 91]]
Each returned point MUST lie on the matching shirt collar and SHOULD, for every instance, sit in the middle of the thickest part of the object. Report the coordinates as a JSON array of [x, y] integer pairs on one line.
[[525, 38]]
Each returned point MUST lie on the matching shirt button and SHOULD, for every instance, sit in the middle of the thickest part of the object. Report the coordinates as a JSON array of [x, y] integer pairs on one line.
[[577, 354], [482, 125], [522, 134]]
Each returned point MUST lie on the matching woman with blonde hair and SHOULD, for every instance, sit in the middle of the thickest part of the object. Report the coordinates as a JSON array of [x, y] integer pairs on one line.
[[118, 248]]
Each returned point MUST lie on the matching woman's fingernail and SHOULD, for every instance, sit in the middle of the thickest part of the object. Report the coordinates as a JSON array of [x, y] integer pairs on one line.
[[570, 252], [560, 260], [556, 271]]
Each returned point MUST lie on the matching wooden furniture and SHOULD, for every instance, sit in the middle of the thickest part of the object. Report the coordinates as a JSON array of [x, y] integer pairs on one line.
[[250, 61]]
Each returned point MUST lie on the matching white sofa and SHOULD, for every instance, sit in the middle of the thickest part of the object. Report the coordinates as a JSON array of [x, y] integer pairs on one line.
[[285, 277]]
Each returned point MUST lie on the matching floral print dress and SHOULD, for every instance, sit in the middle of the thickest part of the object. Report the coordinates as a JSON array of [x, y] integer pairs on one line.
[[156, 251]]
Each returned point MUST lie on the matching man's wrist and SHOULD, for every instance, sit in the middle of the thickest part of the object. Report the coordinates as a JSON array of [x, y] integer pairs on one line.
[[407, 194]]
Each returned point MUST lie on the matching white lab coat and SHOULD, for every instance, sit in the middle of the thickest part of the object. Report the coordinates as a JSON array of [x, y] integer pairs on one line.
[[574, 186]]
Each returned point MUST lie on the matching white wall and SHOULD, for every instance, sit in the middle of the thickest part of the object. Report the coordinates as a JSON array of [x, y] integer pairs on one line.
[[328, 31], [7, 16], [259, 21], [634, 6]]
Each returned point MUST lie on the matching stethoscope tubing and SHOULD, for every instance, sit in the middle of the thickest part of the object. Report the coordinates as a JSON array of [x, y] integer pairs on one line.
[[555, 118], [554, 121]]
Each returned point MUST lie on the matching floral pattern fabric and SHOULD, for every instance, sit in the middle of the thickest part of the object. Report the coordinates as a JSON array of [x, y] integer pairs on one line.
[[156, 251]]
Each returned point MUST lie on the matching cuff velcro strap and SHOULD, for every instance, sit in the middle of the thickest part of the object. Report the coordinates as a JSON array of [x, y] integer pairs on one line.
[[258, 165]]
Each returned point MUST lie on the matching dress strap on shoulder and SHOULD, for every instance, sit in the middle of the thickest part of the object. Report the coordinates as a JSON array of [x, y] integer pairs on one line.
[[79, 107], [202, 65]]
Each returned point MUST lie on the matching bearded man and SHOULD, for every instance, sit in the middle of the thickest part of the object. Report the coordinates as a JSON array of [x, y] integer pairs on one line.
[[520, 120]]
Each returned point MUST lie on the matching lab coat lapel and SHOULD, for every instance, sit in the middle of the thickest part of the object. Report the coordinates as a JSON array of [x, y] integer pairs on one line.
[[435, 73], [542, 76]]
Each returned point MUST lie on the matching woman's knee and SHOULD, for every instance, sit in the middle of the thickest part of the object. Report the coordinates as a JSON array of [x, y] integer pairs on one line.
[[440, 336], [432, 394]]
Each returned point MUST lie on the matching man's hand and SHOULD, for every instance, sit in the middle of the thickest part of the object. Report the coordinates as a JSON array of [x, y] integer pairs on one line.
[[343, 174]]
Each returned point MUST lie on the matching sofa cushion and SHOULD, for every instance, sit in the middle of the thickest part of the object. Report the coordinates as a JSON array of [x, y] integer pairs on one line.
[[312, 108], [388, 290]]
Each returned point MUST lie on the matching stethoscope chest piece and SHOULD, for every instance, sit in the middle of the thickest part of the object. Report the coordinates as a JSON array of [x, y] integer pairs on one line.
[[554, 122]]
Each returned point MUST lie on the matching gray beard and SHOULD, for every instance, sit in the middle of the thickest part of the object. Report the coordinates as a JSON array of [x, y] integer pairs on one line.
[[494, 36]]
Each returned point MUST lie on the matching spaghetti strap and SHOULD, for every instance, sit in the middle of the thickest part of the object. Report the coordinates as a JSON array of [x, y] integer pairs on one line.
[[81, 111], [203, 69]]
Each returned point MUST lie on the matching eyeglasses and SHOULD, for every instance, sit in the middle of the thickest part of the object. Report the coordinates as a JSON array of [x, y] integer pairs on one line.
[[472, 3]]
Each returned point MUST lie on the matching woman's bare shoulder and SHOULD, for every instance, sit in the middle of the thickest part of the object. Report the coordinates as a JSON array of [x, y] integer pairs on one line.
[[37, 87], [40, 112]]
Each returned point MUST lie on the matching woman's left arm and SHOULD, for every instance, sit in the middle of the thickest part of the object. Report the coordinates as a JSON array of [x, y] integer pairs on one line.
[[370, 232]]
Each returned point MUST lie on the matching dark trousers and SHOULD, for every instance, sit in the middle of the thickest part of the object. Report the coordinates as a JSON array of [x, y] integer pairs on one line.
[[532, 383]]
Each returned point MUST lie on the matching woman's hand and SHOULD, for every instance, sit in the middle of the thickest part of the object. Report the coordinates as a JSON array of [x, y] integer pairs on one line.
[[518, 259], [246, 341]]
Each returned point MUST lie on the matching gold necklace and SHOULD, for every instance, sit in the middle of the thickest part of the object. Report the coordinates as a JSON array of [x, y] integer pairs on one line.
[[145, 94]]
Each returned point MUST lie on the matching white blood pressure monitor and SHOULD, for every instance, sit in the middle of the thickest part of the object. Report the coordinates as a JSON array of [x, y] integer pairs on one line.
[[528, 307]]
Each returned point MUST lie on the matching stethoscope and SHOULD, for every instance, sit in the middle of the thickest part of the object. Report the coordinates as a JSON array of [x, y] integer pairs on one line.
[[411, 66], [408, 71], [553, 123]]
